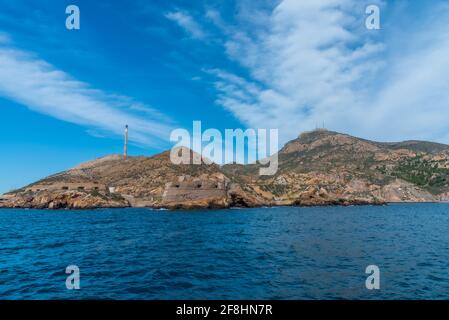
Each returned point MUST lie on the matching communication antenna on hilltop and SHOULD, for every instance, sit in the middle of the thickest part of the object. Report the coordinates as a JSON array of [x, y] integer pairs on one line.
[[125, 148]]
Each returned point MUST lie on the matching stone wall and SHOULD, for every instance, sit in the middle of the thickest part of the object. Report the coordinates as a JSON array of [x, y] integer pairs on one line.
[[188, 190], [82, 186]]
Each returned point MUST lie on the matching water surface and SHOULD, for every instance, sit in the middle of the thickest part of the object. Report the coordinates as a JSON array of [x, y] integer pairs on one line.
[[268, 253]]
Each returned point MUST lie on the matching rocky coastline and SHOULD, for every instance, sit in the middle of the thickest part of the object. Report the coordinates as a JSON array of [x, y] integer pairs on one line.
[[319, 168]]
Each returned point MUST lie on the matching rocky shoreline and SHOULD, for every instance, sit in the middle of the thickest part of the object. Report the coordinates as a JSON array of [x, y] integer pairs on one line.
[[60, 204], [186, 193]]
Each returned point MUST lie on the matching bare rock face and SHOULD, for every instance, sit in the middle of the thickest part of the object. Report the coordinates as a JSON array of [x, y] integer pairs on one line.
[[238, 197], [62, 200], [318, 168], [400, 191]]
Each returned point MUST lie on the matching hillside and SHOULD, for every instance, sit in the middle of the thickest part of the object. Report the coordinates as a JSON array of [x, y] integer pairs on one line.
[[330, 166], [318, 168]]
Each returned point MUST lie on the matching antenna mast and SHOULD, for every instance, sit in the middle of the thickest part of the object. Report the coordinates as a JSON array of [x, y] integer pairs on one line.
[[125, 148]]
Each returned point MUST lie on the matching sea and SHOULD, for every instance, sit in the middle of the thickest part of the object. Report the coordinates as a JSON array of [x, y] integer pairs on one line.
[[261, 253]]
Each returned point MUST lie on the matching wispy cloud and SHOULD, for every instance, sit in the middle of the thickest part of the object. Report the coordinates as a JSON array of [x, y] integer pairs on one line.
[[41, 87], [304, 66], [312, 61], [186, 22]]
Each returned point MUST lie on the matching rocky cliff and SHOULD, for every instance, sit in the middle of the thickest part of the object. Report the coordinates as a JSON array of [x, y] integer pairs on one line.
[[318, 168]]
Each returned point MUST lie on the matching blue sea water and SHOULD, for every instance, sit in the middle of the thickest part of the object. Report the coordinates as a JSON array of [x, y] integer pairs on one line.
[[266, 253]]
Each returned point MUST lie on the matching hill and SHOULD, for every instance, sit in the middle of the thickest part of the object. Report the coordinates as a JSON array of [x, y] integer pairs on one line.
[[320, 167]]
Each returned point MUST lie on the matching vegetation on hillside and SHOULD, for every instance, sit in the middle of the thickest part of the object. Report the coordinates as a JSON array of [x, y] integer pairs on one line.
[[423, 173]]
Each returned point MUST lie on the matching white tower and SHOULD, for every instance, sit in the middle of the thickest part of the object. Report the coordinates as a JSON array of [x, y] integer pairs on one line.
[[125, 148]]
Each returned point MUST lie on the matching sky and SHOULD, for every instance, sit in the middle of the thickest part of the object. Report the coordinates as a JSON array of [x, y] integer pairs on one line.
[[66, 95]]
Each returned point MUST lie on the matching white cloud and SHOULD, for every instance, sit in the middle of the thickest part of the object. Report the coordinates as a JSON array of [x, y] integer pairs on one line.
[[41, 87], [186, 21], [312, 61]]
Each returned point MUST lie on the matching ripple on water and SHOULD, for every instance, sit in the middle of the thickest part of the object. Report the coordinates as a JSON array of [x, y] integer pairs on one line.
[[265, 253]]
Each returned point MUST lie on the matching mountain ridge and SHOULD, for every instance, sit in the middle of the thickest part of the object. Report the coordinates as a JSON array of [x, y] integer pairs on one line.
[[319, 167]]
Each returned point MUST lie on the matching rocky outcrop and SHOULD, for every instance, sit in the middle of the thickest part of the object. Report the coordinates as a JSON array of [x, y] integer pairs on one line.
[[62, 200], [246, 198], [318, 168]]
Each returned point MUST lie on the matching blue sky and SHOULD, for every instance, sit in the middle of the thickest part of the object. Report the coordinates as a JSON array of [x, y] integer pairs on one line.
[[158, 65]]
